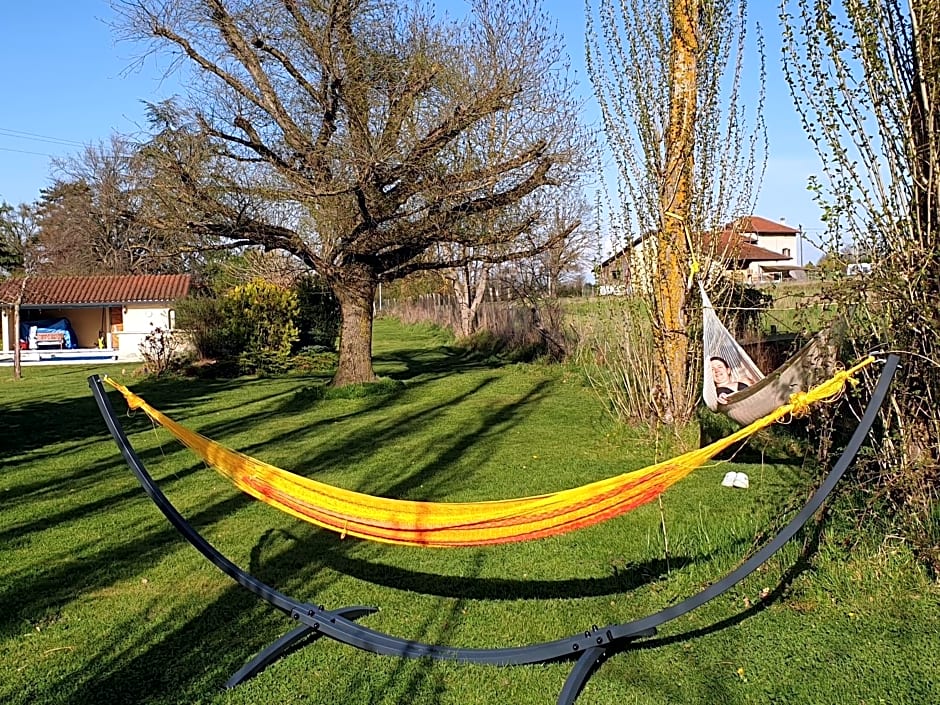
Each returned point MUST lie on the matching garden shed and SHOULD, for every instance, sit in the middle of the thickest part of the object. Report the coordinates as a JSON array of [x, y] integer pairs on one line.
[[99, 316]]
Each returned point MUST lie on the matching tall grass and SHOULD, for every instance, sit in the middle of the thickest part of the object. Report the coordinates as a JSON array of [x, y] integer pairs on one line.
[[618, 356], [522, 329]]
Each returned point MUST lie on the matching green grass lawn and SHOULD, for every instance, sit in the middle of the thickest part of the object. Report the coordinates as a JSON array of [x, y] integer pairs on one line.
[[103, 602]]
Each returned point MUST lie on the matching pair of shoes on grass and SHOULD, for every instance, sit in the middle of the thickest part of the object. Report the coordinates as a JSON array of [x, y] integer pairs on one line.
[[736, 479]]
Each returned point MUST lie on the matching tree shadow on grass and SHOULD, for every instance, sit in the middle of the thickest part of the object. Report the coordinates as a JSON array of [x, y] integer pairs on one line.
[[186, 660], [48, 421], [20, 531], [181, 664], [435, 476], [414, 365], [97, 565], [35, 593], [429, 475], [184, 663], [52, 419]]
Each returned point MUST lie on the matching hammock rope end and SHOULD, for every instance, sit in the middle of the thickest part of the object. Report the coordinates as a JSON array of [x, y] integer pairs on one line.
[[828, 392]]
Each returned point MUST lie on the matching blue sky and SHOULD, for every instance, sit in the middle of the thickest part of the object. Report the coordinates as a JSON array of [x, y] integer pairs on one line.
[[67, 84]]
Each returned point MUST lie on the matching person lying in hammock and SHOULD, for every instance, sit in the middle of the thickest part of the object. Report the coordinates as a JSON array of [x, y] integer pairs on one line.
[[725, 384]]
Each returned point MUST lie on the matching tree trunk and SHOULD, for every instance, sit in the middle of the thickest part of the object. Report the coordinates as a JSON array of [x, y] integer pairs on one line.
[[356, 296], [672, 254], [921, 263], [469, 297], [925, 126], [17, 352]]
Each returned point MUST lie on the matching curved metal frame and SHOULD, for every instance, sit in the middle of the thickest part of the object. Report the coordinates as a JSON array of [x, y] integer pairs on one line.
[[590, 647]]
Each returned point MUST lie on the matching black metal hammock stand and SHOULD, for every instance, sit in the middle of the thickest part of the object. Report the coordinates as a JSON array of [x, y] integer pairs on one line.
[[589, 648]]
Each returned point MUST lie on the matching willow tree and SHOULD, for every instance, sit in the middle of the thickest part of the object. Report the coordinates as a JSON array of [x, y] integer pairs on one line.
[[865, 77], [668, 75], [347, 133]]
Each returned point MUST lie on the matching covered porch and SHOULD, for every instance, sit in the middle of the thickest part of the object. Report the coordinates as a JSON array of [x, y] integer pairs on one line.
[[87, 319]]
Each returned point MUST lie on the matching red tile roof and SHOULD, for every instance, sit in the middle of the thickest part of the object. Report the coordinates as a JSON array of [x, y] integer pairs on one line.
[[98, 290], [741, 249], [746, 251], [735, 246], [763, 226]]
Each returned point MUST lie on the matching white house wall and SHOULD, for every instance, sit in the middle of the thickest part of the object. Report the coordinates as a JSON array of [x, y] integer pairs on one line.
[[643, 265], [784, 244], [139, 321]]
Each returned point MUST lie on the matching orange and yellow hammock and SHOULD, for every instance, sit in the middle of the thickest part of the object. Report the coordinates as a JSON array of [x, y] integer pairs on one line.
[[444, 524]]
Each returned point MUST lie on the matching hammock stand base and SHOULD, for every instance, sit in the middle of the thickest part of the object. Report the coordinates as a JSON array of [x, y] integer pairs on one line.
[[589, 649]]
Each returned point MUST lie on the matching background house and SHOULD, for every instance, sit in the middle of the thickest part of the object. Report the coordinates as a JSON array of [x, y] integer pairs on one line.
[[613, 274], [121, 310], [751, 249], [771, 238]]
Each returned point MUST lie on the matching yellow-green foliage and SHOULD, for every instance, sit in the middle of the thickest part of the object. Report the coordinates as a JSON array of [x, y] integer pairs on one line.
[[261, 317]]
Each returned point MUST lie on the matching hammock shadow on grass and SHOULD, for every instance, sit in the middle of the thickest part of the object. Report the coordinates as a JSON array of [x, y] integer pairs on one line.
[[191, 660], [321, 548], [197, 656]]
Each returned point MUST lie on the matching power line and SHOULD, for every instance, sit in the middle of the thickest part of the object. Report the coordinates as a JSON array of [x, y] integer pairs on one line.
[[23, 151], [20, 134]]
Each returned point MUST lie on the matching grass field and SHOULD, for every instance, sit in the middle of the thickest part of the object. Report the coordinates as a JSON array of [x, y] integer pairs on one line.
[[103, 602]]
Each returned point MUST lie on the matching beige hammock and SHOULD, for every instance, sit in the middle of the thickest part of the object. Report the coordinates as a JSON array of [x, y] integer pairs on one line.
[[813, 363]]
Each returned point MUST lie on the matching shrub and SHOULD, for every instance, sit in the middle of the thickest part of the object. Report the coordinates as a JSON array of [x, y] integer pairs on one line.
[[204, 321], [617, 355], [314, 359], [161, 351], [260, 319]]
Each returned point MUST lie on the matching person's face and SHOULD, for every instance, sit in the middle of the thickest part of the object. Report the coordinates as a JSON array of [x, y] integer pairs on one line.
[[720, 373]]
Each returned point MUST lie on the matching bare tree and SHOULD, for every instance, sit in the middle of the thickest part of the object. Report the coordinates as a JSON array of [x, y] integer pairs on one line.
[[686, 158], [865, 77], [97, 217], [469, 284], [567, 258], [557, 241], [346, 133]]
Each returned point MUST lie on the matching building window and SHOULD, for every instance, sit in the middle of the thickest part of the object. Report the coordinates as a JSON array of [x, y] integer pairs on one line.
[[786, 251]]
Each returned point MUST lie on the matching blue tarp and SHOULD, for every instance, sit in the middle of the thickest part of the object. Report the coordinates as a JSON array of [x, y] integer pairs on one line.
[[51, 325]]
